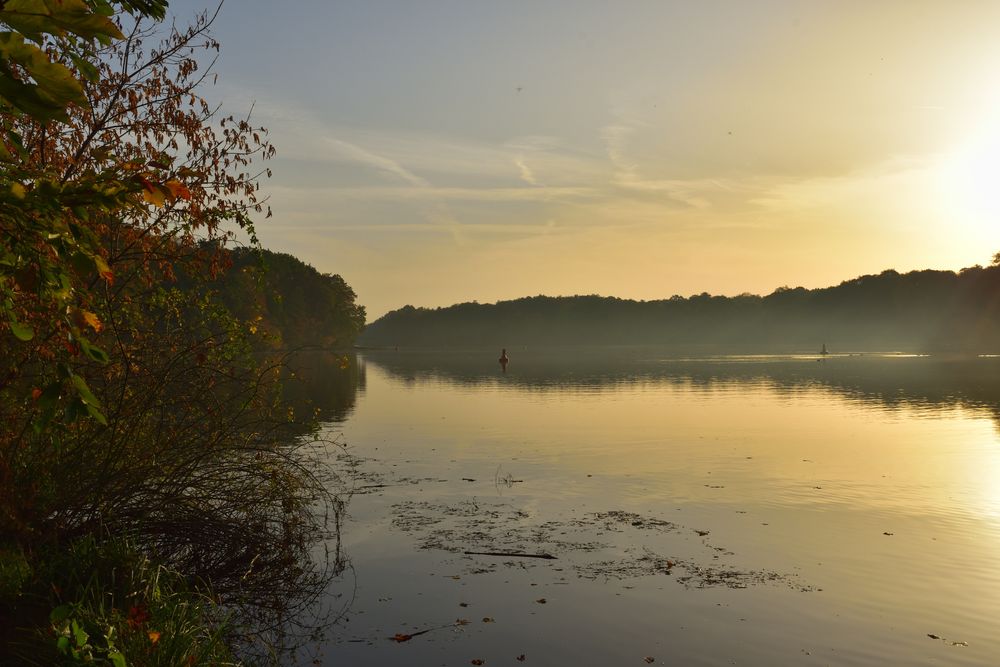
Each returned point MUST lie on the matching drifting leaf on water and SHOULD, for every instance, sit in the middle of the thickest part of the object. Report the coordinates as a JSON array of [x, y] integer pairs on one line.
[[521, 658], [400, 637], [487, 619], [649, 659], [541, 600], [477, 661], [933, 636]]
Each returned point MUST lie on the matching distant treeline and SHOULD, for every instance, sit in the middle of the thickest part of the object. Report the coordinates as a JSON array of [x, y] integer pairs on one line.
[[940, 311], [292, 302]]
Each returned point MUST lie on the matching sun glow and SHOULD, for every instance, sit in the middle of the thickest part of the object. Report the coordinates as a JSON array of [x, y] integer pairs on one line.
[[969, 181]]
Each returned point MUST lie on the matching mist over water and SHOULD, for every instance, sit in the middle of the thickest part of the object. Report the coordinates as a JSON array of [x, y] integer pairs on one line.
[[702, 509]]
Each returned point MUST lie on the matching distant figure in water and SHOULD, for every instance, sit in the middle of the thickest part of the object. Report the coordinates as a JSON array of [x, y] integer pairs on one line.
[[504, 359], [823, 351]]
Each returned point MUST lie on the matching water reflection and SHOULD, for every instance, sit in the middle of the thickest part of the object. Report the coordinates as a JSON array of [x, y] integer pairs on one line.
[[323, 384], [710, 507], [920, 383]]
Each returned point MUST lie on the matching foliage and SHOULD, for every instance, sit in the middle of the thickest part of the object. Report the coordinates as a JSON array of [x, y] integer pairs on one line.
[[50, 250], [108, 604], [113, 195], [296, 304], [919, 311], [132, 404]]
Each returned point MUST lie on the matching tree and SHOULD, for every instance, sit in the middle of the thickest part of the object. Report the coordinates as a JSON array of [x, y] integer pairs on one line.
[[130, 406], [49, 251]]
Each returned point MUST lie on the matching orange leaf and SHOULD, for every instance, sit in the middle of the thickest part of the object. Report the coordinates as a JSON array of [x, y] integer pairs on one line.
[[154, 636], [92, 320], [400, 637], [177, 189], [36, 393]]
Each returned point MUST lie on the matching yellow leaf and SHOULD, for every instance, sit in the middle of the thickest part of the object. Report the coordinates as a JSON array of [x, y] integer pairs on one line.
[[153, 195], [18, 190], [104, 270], [154, 636]]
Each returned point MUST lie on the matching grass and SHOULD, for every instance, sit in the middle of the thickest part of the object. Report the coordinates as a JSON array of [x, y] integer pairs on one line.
[[105, 603]]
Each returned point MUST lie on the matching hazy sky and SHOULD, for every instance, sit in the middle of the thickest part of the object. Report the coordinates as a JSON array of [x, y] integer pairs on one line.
[[435, 152]]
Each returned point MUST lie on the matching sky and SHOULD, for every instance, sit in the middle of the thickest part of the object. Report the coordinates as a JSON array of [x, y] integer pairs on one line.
[[441, 151]]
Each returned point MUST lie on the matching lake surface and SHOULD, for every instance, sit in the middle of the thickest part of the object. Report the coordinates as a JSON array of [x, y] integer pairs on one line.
[[702, 510]]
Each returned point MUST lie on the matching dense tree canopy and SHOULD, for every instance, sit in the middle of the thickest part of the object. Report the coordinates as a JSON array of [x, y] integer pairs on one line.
[[920, 310], [296, 304]]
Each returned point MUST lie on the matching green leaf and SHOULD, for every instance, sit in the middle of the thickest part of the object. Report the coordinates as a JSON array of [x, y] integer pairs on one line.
[[86, 68], [58, 615], [79, 634], [97, 414], [54, 86], [95, 353], [117, 659], [21, 331], [84, 391], [57, 17]]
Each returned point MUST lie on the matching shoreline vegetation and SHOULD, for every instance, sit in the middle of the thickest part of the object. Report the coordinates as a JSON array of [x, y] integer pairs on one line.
[[920, 311], [162, 491]]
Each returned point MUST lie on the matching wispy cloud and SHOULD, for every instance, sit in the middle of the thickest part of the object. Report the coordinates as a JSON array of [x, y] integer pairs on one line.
[[696, 193], [527, 175], [892, 182], [388, 165], [540, 193]]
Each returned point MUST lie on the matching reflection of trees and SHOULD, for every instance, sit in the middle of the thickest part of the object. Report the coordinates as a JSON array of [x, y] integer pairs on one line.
[[921, 383], [323, 384]]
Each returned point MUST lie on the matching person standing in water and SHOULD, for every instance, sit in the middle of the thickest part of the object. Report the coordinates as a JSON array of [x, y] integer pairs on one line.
[[504, 359]]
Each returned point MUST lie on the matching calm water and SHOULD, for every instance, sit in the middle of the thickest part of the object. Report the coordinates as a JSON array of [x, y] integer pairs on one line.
[[757, 510]]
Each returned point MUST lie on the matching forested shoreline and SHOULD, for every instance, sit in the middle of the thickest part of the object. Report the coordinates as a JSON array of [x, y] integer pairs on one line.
[[292, 303], [162, 493], [920, 311]]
